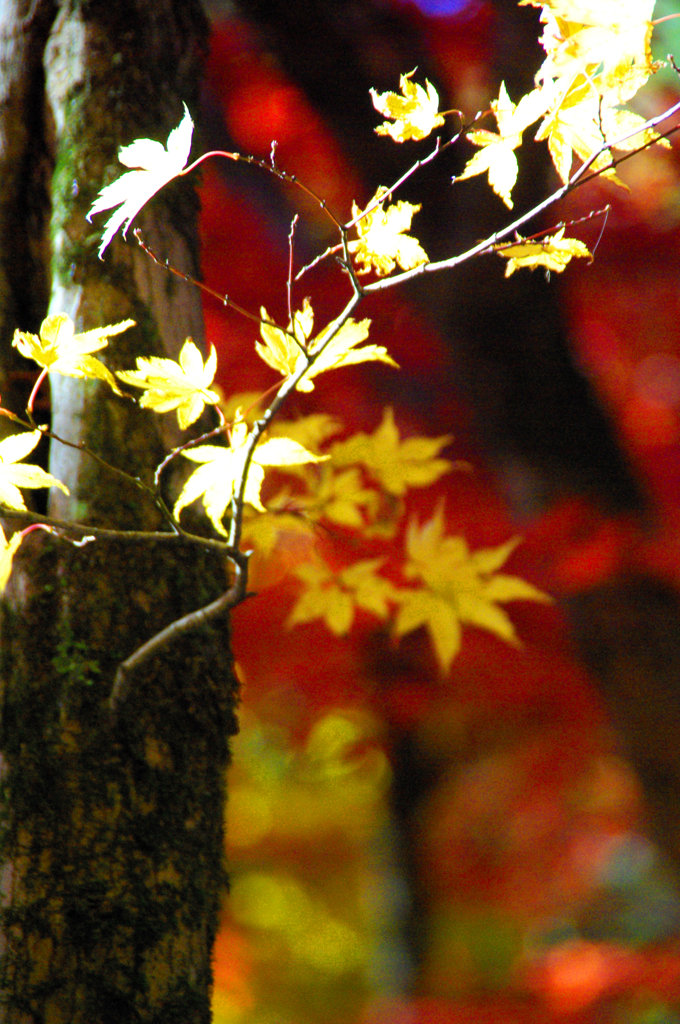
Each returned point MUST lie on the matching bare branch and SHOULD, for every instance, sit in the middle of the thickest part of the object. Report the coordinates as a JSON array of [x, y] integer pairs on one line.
[[194, 620]]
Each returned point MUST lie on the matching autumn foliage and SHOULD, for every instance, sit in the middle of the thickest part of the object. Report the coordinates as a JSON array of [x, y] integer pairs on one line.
[[331, 517]]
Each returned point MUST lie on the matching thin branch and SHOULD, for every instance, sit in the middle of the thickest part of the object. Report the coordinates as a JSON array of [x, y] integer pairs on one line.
[[221, 428], [318, 259], [289, 279], [180, 536], [578, 178], [224, 299], [166, 265], [261, 424], [437, 151], [194, 620], [538, 235]]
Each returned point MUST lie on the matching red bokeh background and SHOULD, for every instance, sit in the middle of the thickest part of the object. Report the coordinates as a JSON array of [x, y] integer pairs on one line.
[[527, 802]]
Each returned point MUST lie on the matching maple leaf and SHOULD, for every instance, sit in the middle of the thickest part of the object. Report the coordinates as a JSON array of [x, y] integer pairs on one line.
[[620, 130], [154, 166], [277, 529], [283, 350], [334, 597], [382, 244], [218, 480], [579, 123], [396, 464], [414, 112], [13, 476], [460, 588], [340, 496], [573, 125], [497, 157], [553, 252], [8, 549], [60, 350], [179, 385]]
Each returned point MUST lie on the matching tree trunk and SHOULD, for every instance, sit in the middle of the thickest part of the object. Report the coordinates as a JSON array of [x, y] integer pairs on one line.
[[113, 830]]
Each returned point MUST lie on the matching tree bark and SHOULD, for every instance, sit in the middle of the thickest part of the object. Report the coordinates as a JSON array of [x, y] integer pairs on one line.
[[112, 837]]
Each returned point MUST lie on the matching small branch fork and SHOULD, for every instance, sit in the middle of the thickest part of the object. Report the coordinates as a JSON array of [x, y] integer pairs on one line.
[[237, 592]]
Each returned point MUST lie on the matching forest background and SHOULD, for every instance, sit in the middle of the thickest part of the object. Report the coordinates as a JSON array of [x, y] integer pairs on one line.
[[479, 849], [498, 845]]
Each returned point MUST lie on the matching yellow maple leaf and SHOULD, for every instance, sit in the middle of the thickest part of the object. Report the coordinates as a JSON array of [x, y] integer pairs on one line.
[[154, 166], [179, 385], [552, 252], [382, 244], [280, 349], [13, 476], [458, 587], [334, 597], [339, 495], [60, 350], [415, 112], [8, 549], [497, 157], [397, 464], [620, 129], [274, 529], [574, 125], [579, 124], [218, 480], [283, 350]]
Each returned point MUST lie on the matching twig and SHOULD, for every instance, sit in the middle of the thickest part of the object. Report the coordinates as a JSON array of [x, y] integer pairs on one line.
[[166, 265], [577, 179], [179, 536], [289, 279], [232, 597], [224, 299]]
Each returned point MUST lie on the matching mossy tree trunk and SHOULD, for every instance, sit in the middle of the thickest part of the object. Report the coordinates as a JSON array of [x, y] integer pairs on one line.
[[112, 831]]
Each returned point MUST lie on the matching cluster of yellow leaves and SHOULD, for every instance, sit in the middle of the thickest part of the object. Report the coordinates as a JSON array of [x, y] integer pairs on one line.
[[598, 56], [453, 587], [450, 586], [361, 481], [360, 484], [321, 792]]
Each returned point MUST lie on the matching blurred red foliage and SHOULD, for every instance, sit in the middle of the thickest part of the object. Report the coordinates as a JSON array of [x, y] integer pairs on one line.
[[522, 820]]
